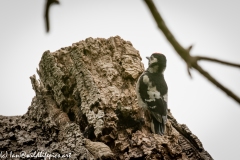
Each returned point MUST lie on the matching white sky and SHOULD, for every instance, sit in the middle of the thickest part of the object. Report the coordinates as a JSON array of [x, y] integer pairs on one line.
[[211, 26]]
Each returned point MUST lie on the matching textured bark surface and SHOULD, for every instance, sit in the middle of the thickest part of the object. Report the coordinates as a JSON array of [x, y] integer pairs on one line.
[[85, 107]]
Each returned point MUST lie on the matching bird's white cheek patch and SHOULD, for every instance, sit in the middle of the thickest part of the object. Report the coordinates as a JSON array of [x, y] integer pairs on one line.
[[153, 60]]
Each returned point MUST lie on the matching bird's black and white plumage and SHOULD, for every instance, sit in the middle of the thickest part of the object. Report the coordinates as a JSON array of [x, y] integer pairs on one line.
[[152, 92]]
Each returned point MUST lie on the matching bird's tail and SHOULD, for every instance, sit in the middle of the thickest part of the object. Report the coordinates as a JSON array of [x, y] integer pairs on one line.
[[158, 127]]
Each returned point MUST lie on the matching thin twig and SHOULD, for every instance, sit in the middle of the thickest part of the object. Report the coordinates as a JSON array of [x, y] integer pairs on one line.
[[47, 8], [214, 81], [184, 53], [218, 61], [161, 24]]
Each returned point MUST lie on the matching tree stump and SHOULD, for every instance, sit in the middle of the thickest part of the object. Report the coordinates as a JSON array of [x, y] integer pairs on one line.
[[86, 108]]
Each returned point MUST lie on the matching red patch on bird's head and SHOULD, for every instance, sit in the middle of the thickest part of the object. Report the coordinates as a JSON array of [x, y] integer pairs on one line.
[[157, 53]]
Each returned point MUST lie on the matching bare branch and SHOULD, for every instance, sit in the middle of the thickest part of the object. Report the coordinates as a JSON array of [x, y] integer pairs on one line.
[[214, 81], [184, 53], [47, 8], [218, 61], [161, 24]]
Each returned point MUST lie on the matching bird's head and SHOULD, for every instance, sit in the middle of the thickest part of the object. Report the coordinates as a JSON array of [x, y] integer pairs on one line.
[[157, 62]]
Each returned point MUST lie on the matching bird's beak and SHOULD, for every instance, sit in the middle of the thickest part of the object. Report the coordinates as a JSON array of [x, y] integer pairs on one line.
[[148, 58]]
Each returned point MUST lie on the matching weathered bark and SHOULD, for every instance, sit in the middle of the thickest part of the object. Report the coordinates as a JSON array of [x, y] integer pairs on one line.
[[86, 105]]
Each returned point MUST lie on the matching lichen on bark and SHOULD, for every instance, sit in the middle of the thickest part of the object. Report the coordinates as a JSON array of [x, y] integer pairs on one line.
[[86, 105]]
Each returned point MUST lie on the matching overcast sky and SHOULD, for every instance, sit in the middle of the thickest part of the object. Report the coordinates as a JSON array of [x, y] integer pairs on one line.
[[213, 27]]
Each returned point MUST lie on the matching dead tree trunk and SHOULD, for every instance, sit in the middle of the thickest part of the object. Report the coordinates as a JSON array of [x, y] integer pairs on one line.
[[85, 107]]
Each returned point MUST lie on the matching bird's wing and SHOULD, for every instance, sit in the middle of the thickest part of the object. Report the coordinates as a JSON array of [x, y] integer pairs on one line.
[[156, 103], [151, 99], [159, 109]]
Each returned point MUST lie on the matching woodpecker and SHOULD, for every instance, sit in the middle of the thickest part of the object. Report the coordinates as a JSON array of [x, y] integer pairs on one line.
[[152, 92]]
